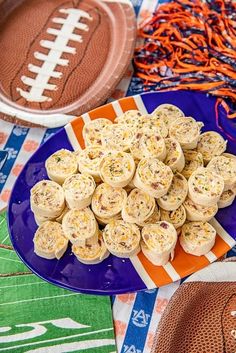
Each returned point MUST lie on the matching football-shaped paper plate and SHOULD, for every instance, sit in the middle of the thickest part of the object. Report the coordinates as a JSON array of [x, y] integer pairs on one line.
[[200, 316], [115, 275], [59, 58]]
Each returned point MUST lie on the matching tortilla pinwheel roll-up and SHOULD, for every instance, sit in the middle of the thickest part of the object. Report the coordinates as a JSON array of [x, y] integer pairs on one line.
[[80, 227], [158, 242], [107, 202], [197, 238], [60, 165], [148, 143], [78, 190], [89, 160], [117, 169], [174, 155], [47, 199], [226, 199], [139, 206], [195, 212], [129, 117], [154, 218], [211, 144], [176, 194], [167, 113], [117, 137], [186, 131], [122, 238], [150, 121], [153, 177], [205, 187], [50, 241], [226, 168], [92, 131], [193, 160], [176, 217], [91, 254]]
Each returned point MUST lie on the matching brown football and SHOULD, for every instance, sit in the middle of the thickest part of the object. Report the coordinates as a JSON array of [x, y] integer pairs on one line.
[[200, 318], [61, 57]]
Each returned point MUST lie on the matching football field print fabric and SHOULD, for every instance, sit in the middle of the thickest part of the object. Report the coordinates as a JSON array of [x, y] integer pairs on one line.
[[38, 317]]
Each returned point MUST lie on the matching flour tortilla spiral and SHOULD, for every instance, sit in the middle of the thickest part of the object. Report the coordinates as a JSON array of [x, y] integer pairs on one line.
[[117, 169], [92, 131], [186, 131], [107, 201], [78, 190], [153, 177], [139, 206], [47, 199], [168, 113], [205, 187], [211, 144], [197, 238], [175, 195], [226, 199], [80, 227], [61, 165], [174, 155], [50, 241], [226, 168], [195, 212], [159, 241], [148, 143], [89, 160], [122, 238], [91, 254]]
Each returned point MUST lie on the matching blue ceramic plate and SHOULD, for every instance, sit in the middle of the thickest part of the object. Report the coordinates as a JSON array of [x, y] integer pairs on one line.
[[116, 275]]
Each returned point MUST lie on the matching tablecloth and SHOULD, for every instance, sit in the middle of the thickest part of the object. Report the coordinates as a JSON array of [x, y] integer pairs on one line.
[[135, 315], [38, 317]]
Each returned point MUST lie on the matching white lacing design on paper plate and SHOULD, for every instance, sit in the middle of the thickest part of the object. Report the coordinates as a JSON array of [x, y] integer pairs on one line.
[[53, 58]]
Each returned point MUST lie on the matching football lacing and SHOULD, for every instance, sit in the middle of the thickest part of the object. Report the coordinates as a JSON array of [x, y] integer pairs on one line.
[[53, 58]]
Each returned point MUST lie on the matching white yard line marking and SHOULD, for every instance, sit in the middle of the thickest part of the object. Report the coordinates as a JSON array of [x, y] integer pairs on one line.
[[142, 272], [43, 298], [6, 259], [211, 256], [2, 241], [117, 108], [24, 284], [171, 272], [72, 137], [140, 104], [86, 118], [58, 339], [3, 220]]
